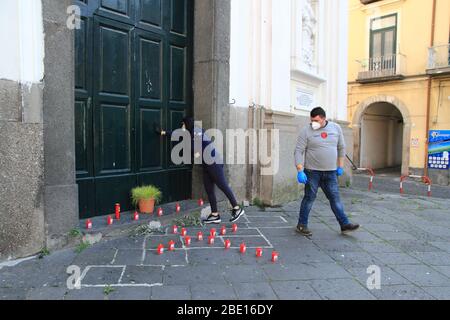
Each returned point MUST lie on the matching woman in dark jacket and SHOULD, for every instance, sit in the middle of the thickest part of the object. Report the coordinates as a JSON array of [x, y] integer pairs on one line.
[[212, 172]]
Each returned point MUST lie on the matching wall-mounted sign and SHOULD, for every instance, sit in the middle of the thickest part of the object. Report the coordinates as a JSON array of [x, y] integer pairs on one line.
[[304, 99], [439, 149]]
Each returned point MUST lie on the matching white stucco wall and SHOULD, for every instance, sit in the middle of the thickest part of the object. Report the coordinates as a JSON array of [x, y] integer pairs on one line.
[[22, 39], [266, 64]]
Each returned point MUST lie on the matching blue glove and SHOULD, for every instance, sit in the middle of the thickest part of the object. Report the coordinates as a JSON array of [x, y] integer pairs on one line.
[[301, 177], [340, 171]]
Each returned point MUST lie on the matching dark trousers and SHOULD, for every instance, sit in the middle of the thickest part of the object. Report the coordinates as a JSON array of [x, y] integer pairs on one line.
[[214, 175]]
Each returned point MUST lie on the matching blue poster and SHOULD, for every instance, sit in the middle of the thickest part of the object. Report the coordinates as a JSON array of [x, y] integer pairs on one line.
[[439, 149]]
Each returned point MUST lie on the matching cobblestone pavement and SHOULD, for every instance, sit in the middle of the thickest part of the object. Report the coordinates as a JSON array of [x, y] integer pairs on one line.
[[407, 238]]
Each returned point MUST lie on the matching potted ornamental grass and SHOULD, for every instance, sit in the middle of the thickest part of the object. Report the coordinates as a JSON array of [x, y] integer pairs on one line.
[[145, 198]]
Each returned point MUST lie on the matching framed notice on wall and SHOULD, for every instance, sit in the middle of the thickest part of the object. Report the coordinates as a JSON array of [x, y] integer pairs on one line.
[[439, 149], [304, 99]]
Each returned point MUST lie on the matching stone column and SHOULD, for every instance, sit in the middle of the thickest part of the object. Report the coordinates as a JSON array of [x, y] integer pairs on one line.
[[61, 190], [211, 70]]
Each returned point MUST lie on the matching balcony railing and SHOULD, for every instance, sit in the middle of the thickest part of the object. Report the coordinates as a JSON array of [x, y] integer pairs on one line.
[[385, 68], [439, 59]]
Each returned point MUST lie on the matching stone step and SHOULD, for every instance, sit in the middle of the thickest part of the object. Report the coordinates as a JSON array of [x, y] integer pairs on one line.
[[126, 222]]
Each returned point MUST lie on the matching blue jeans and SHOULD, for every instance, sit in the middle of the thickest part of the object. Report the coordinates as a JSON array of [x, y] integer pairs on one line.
[[328, 181]]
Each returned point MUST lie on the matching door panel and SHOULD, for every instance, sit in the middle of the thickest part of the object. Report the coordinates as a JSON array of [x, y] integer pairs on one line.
[[86, 196], [114, 51], [114, 140], [151, 59], [151, 146], [177, 73], [133, 75], [175, 118], [151, 12], [178, 16], [111, 190], [81, 137], [119, 10]]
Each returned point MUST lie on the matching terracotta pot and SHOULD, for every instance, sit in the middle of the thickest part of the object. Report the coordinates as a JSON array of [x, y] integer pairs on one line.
[[147, 205]]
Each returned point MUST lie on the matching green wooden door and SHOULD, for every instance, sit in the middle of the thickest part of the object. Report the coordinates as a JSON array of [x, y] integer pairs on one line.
[[133, 71]]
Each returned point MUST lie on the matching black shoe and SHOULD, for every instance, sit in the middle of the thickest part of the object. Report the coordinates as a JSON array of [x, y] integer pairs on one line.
[[212, 219], [349, 228], [303, 230], [236, 214]]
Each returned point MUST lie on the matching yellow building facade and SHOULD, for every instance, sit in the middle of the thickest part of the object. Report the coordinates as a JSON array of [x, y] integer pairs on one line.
[[399, 84]]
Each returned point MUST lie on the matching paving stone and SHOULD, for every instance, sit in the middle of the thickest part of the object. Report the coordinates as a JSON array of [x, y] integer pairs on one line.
[[152, 242], [171, 292], [376, 247], [433, 258], [130, 293], [268, 219], [191, 275], [89, 293], [341, 289], [102, 276], [441, 293], [362, 236], [401, 292], [437, 232], [445, 270], [213, 291], [250, 241], [294, 290], [243, 273], [305, 271], [354, 259], [218, 243], [278, 231], [388, 276], [127, 257], [308, 254], [249, 258], [47, 293], [142, 275], [296, 241], [13, 293], [443, 245], [214, 257], [50, 270], [168, 258], [126, 243], [264, 224], [339, 245], [422, 275], [94, 256], [397, 258], [392, 235], [415, 246], [254, 291]]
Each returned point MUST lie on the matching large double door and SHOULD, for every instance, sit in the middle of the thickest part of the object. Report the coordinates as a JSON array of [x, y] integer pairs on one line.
[[133, 74]]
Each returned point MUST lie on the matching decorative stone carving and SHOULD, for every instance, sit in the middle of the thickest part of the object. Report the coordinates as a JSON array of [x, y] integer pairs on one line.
[[309, 31]]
